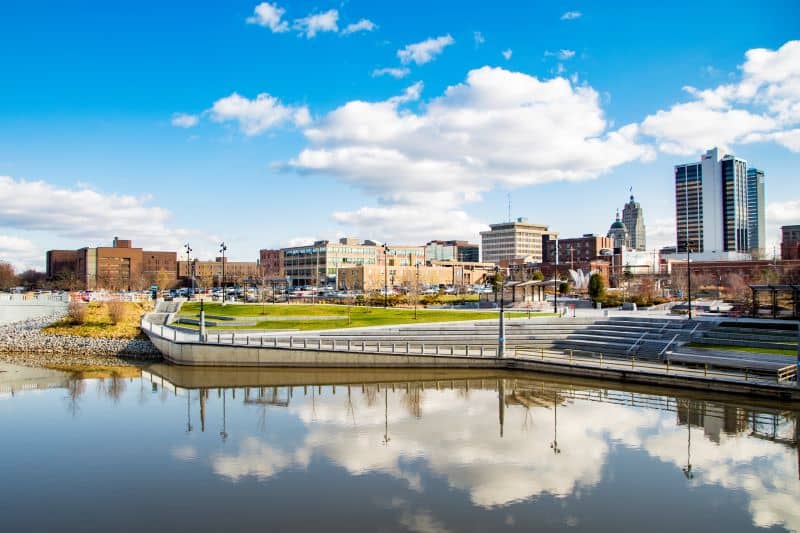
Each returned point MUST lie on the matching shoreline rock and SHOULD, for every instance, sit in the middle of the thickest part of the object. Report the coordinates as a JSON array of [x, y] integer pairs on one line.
[[24, 343]]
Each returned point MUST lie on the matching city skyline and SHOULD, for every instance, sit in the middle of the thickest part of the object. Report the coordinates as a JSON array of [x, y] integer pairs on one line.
[[335, 120]]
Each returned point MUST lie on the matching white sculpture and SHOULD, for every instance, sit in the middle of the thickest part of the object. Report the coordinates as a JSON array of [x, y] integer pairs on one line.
[[580, 279]]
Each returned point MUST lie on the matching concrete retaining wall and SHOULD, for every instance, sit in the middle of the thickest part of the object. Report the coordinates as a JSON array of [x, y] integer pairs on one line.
[[197, 354]]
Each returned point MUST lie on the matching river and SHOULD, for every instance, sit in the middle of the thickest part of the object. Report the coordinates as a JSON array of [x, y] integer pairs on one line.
[[431, 451]]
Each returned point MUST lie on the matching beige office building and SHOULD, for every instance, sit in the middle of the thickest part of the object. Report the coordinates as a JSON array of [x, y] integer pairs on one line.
[[374, 277], [515, 240], [209, 273], [321, 262]]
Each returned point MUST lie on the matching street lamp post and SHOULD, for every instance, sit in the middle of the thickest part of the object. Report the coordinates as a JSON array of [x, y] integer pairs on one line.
[[223, 249], [501, 333], [689, 276], [555, 283], [416, 292], [385, 276], [189, 267]]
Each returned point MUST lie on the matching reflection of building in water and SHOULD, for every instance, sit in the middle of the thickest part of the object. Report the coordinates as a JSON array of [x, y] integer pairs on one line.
[[715, 419]]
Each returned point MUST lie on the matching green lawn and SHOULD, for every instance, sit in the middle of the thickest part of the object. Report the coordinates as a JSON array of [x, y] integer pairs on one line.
[[728, 348], [358, 316]]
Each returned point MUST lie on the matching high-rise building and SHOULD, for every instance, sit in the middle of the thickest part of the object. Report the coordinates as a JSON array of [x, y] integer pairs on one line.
[[711, 206], [633, 218], [514, 240], [755, 212]]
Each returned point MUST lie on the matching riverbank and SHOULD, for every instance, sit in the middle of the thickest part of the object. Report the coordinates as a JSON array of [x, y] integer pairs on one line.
[[24, 343]]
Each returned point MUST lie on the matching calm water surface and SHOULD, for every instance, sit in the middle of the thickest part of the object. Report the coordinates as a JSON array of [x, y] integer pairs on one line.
[[208, 450]]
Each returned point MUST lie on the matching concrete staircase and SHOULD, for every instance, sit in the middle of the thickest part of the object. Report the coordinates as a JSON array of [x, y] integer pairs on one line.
[[640, 337], [781, 335], [631, 336]]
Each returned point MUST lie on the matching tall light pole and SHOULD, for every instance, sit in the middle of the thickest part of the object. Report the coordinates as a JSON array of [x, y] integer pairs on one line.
[[416, 293], [501, 332], [554, 444], [385, 276], [689, 276], [189, 267], [555, 283], [223, 249]]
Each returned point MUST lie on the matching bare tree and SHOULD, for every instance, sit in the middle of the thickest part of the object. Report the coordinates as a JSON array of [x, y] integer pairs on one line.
[[76, 312], [117, 311], [737, 288], [163, 280], [7, 277]]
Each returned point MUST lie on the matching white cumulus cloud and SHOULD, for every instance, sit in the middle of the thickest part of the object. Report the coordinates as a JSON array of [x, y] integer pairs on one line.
[[269, 16], [498, 128], [507, 53], [762, 106], [259, 114], [424, 51], [317, 23], [184, 120], [571, 15], [399, 72], [562, 54], [361, 25], [52, 215]]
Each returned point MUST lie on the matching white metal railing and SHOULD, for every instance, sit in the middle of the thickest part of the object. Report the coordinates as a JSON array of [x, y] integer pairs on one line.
[[635, 344], [787, 373], [569, 357], [662, 352], [33, 299]]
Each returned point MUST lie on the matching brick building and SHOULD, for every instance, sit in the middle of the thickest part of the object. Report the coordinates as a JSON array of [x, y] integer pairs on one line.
[[116, 267], [578, 249], [752, 272], [790, 242], [271, 263]]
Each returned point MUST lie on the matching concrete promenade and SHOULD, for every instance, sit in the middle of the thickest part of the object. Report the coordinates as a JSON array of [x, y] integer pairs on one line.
[[294, 349], [19, 307]]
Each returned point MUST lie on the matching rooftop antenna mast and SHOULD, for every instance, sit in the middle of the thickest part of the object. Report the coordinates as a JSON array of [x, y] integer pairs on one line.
[[509, 206]]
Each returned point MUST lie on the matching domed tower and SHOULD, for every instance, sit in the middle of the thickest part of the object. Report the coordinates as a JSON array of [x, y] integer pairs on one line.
[[618, 233]]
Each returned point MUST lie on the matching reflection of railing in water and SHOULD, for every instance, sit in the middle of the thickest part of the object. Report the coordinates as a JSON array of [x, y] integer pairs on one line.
[[778, 423], [277, 396], [761, 422]]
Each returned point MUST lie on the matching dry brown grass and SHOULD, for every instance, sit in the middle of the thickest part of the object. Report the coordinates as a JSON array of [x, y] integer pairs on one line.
[[93, 372], [117, 311], [76, 312], [98, 322]]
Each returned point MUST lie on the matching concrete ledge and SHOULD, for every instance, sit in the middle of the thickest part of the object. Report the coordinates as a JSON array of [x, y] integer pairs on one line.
[[198, 354]]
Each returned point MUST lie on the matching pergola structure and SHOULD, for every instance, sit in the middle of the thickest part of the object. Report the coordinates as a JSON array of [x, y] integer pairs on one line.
[[776, 301], [526, 291]]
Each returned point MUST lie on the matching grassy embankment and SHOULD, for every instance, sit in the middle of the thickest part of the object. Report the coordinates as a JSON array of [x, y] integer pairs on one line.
[[98, 323], [82, 371], [748, 349], [279, 316]]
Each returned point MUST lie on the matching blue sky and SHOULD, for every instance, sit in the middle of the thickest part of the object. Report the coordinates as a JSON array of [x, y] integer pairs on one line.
[[578, 109]]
